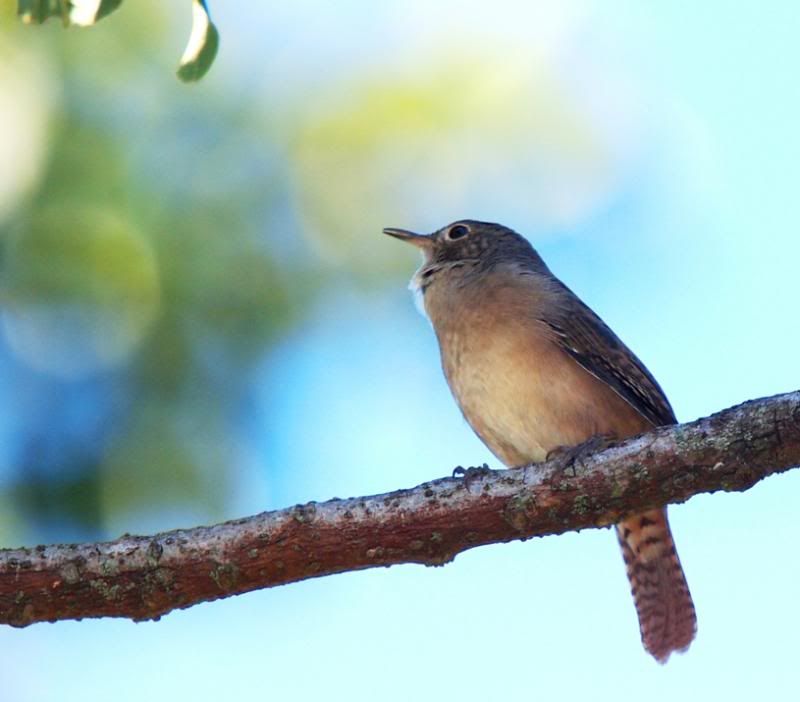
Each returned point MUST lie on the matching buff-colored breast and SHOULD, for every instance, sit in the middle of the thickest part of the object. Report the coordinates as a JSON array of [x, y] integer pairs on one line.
[[521, 393]]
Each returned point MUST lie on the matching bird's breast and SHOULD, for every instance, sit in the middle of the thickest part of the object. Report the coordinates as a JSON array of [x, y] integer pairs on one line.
[[522, 394]]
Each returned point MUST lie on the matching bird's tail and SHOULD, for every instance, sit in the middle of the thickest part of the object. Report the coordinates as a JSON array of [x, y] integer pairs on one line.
[[667, 618]]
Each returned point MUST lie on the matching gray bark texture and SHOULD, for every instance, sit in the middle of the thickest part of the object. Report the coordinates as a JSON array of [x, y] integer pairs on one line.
[[144, 577]]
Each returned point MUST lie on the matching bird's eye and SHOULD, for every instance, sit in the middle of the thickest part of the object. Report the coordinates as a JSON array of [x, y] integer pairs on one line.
[[457, 232]]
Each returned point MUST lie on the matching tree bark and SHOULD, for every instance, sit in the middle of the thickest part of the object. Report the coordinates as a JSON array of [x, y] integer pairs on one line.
[[143, 577]]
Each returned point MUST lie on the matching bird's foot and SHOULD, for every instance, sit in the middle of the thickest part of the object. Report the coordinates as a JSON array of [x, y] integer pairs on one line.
[[568, 456], [471, 473]]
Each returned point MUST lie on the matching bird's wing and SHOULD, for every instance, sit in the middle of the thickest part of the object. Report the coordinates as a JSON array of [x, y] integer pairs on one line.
[[585, 337]]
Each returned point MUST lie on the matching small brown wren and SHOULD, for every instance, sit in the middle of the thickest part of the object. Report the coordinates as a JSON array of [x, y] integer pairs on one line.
[[534, 370]]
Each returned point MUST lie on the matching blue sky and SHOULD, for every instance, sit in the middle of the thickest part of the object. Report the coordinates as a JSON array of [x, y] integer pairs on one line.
[[687, 244]]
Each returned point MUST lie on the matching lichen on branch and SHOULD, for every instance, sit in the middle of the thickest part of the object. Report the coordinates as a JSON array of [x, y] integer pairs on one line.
[[144, 577]]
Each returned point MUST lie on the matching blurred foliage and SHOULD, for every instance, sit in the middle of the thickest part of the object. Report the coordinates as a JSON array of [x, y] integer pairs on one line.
[[476, 132], [157, 243], [78, 12], [197, 58], [143, 282], [202, 47]]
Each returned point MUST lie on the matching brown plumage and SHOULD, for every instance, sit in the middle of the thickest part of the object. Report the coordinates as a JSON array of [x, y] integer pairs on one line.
[[533, 370]]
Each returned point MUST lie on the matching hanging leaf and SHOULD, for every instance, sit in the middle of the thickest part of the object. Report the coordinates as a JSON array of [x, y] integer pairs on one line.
[[202, 46], [196, 60], [37, 11], [86, 12], [83, 13]]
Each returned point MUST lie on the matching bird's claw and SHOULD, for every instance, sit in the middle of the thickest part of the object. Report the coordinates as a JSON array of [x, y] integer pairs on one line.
[[471, 473], [570, 455]]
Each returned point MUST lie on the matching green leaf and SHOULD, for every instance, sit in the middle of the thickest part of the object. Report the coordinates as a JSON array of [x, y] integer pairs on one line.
[[81, 12], [197, 57], [85, 13], [106, 8], [37, 11], [202, 47]]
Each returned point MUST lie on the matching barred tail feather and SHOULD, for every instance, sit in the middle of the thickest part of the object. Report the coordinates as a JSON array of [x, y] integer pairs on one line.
[[667, 618]]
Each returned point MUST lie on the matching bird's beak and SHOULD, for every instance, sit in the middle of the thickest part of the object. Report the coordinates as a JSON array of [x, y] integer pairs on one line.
[[421, 241]]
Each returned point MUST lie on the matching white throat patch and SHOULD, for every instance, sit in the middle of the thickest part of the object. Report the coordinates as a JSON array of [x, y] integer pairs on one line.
[[416, 284]]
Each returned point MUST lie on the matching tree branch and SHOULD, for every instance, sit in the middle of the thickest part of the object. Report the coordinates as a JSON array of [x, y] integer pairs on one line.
[[144, 577]]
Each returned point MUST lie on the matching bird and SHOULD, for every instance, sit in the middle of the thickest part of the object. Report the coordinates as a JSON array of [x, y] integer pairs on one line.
[[535, 371]]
